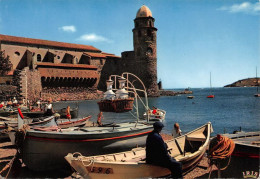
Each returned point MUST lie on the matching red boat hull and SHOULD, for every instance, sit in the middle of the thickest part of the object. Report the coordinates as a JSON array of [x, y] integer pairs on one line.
[[211, 96]]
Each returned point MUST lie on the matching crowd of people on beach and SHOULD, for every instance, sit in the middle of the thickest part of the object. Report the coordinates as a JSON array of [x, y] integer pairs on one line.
[[13, 103]]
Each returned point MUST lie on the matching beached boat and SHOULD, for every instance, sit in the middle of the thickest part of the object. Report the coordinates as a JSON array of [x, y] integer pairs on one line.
[[158, 115], [44, 121], [188, 149], [61, 112], [79, 122], [13, 126], [8, 112], [45, 150], [73, 112], [39, 113], [246, 156]]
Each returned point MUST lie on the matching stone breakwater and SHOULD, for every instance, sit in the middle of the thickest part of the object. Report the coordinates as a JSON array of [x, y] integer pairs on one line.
[[173, 93]]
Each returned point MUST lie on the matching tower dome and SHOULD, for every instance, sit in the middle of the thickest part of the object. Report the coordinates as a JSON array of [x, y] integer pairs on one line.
[[144, 11]]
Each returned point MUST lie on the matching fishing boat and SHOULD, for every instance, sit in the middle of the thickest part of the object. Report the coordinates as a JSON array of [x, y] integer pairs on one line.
[[37, 114], [190, 97], [211, 95], [43, 121], [73, 112], [45, 150], [61, 112], [246, 156], [187, 149], [8, 111], [65, 123], [157, 115]]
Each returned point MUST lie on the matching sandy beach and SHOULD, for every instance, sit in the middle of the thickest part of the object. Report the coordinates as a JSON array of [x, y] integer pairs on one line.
[[19, 170]]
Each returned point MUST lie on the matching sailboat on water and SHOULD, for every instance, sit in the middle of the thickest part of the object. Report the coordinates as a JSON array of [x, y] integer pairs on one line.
[[257, 86], [211, 95]]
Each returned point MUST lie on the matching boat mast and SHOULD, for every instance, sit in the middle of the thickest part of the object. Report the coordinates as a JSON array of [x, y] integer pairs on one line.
[[210, 83], [256, 79]]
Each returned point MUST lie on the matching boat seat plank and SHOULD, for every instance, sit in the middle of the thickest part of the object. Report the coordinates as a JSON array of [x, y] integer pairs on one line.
[[119, 157], [173, 149], [137, 159], [196, 137], [180, 142], [128, 156], [140, 152]]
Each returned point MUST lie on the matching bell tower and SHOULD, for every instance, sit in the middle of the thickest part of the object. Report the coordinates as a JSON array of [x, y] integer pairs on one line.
[[145, 50]]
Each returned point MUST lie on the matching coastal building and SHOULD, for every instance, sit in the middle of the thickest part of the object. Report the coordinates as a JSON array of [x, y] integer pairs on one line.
[[48, 69]]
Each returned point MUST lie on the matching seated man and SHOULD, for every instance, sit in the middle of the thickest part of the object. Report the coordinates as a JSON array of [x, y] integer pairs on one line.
[[157, 154]]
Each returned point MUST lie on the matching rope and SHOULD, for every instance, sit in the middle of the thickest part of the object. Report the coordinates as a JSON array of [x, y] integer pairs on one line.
[[91, 162], [220, 148], [80, 159]]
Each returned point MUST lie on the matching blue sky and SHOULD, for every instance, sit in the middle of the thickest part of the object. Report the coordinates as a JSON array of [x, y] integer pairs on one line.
[[194, 37]]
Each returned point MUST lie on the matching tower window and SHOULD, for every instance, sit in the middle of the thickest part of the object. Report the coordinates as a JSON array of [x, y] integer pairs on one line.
[[39, 58], [139, 33], [149, 33], [150, 23], [136, 24]]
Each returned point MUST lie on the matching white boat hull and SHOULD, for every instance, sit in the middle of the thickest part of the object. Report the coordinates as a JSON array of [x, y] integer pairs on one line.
[[131, 164]]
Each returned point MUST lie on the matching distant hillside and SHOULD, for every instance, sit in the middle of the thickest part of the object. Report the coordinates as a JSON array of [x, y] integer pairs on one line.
[[249, 82]]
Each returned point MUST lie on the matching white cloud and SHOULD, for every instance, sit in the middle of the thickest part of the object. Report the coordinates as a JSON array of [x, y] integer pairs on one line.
[[69, 28], [93, 38], [245, 7]]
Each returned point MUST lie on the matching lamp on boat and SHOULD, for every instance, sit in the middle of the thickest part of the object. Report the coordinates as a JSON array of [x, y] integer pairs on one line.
[[121, 93], [109, 94], [116, 102]]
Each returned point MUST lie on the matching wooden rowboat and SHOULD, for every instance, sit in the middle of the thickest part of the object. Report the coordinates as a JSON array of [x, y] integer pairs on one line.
[[158, 116], [73, 123], [188, 149]]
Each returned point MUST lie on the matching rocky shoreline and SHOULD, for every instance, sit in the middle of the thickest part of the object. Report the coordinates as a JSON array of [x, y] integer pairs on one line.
[[18, 170], [173, 93], [249, 82]]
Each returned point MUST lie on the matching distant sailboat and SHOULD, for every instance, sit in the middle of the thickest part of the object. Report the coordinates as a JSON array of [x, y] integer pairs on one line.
[[211, 95], [257, 86]]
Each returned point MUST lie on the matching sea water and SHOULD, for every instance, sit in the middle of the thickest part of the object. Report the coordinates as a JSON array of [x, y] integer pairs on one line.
[[230, 110]]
